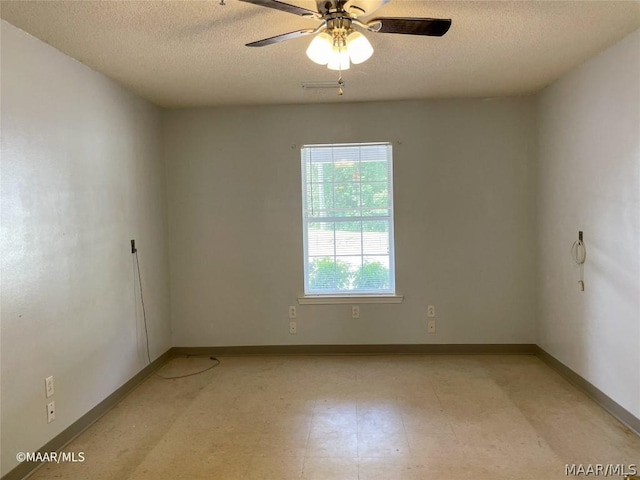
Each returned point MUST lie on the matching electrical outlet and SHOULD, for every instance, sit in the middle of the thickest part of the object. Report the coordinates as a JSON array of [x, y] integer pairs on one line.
[[431, 311], [355, 311], [51, 412], [48, 386], [292, 312], [431, 326], [293, 328]]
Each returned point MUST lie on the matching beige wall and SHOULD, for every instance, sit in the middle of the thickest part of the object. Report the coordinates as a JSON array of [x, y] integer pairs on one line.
[[464, 222], [589, 179], [81, 175]]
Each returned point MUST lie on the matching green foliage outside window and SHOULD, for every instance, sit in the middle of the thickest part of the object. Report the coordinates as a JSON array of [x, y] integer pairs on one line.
[[327, 274], [372, 276]]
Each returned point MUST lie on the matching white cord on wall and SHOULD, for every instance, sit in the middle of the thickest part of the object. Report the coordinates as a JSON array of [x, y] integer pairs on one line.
[[579, 253]]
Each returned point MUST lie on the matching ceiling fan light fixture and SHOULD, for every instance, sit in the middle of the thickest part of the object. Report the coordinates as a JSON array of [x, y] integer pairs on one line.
[[339, 59], [358, 48], [321, 48], [337, 43]]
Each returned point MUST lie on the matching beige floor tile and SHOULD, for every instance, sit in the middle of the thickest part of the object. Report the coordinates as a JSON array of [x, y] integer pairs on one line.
[[287, 424], [388, 469], [443, 451], [282, 445], [383, 445], [411, 469], [330, 468], [339, 404], [346, 422], [427, 421], [336, 444], [275, 467], [381, 416], [229, 467], [342, 418]]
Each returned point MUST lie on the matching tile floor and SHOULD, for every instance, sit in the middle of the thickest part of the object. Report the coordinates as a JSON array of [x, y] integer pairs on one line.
[[351, 417]]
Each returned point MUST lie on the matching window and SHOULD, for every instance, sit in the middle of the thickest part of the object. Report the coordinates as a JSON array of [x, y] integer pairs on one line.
[[347, 203]]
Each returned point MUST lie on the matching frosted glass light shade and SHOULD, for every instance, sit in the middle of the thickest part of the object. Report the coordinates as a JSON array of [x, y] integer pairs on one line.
[[359, 48], [339, 59], [320, 48]]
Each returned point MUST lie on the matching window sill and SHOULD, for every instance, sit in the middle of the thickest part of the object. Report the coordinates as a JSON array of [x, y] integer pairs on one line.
[[348, 299]]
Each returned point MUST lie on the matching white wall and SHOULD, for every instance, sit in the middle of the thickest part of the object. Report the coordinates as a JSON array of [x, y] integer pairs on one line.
[[81, 175], [464, 220], [589, 179]]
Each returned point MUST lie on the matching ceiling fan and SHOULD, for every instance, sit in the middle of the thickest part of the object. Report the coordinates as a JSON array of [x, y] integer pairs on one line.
[[337, 42]]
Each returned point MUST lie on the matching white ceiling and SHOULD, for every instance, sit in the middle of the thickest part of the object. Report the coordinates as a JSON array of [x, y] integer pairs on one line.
[[192, 53]]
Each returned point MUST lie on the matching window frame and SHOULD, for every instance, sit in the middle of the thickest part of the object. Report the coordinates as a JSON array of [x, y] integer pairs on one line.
[[388, 295]]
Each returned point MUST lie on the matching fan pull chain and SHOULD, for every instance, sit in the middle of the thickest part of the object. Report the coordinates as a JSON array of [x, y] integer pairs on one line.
[[340, 81]]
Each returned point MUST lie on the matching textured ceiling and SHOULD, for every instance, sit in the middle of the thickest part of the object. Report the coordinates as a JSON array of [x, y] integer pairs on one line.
[[192, 53]]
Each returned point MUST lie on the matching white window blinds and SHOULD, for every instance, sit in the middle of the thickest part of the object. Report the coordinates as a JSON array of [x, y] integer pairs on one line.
[[347, 196]]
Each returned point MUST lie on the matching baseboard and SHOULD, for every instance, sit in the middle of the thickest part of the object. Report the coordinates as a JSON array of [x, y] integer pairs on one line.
[[382, 349], [72, 431], [618, 411]]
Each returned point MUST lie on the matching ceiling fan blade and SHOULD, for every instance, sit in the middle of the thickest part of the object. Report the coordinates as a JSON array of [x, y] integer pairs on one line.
[[433, 27], [282, 38], [283, 7]]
